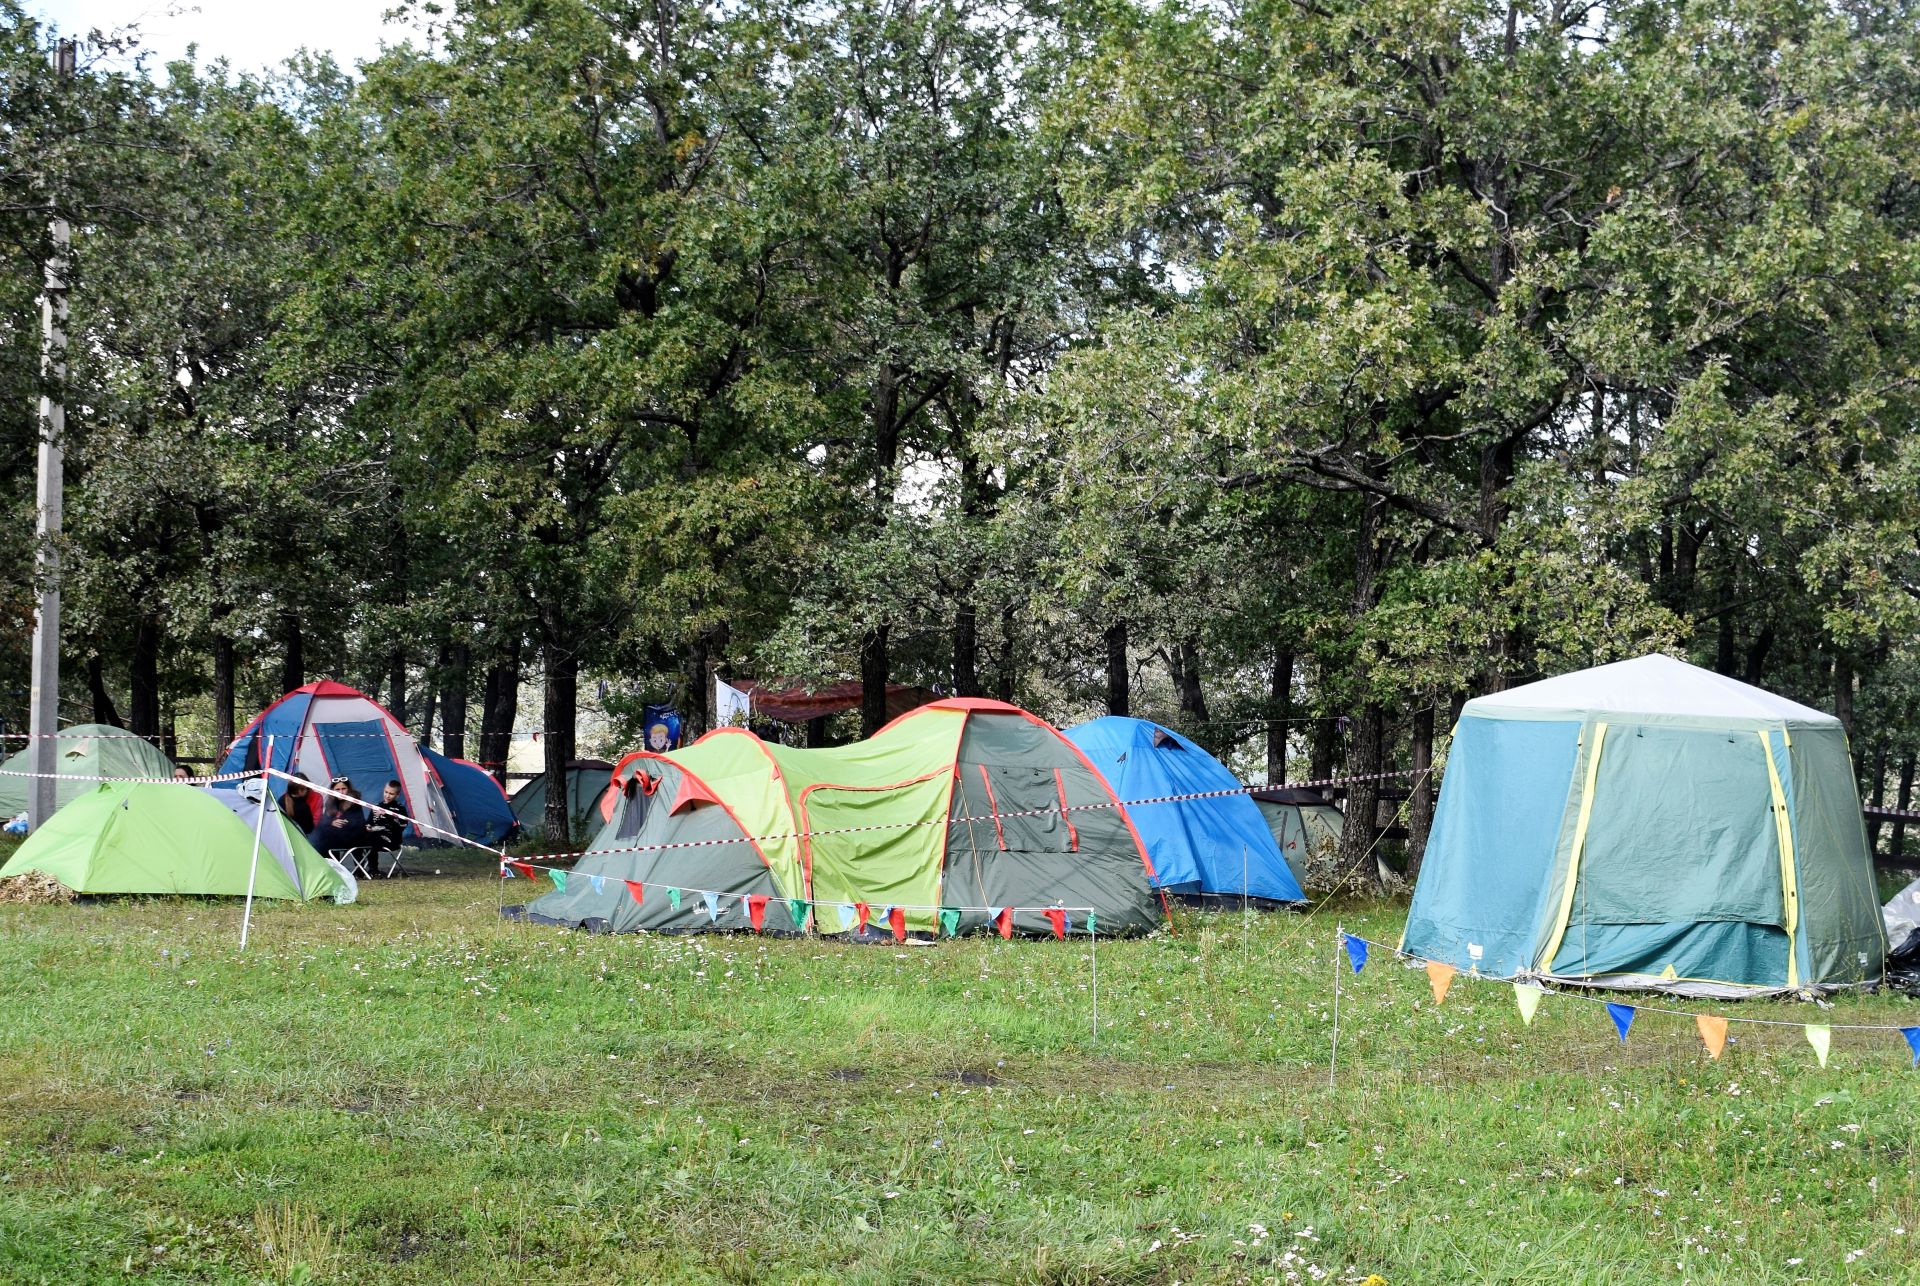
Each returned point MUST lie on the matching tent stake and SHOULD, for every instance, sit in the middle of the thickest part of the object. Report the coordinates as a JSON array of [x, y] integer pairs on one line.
[[1333, 1059], [259, 823]]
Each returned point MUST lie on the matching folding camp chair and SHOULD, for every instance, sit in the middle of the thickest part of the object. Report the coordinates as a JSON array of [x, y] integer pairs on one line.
[[362, 863], [393, 867]]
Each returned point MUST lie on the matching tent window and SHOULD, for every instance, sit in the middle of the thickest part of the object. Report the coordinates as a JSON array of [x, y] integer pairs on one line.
[[1164, 740], [634, 814]]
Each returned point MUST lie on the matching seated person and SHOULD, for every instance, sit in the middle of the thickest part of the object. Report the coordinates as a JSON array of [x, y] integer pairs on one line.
[[384, 829], [300, 803], [342, 824]]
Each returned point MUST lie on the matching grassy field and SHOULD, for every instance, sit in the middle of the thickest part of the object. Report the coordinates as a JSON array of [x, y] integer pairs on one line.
[[410, 1090]]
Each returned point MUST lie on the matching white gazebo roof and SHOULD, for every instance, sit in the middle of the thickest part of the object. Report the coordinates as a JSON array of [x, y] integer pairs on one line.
[[1654, 686]]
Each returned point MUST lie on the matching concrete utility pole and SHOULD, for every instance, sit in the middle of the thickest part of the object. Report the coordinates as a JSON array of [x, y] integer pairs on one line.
[[45, 695]]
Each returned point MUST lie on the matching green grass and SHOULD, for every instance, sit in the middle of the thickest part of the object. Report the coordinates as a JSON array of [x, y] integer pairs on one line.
[[409, 1090]]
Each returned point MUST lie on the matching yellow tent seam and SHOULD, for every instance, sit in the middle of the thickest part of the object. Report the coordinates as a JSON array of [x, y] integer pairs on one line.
[[1545, 960], [1783, 833]]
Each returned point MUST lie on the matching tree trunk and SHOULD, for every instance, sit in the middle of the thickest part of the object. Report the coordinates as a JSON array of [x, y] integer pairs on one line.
[[1119, 693], [873, 681], [1843, 694], [103, 711], [817, 732], [223, 729], [1876, 798], [1184, 666], [966, 650], [1420, 805], [293, 665], [1003, 665], [1323, 749], [453, 700], [558, 715], [1903, 803], [1280, 715], [397, 686], [499, 704], [1363, 800], [143, 698]]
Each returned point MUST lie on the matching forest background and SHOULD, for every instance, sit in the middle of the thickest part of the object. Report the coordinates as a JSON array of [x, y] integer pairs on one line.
[[1286, 371]]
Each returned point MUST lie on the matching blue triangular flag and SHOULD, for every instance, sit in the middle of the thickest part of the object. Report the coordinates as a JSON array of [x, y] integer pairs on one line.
[[1913, 1041], [1356, 951], [599, 883], [993, 914], [713, 907], [1622, 1016], [848, 916]]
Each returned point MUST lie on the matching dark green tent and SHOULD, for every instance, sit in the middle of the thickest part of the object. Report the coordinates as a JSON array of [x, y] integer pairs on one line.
[[587, 781]]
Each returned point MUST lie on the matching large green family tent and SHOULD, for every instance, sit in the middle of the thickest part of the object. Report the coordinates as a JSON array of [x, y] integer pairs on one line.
[[82, 752], [1648, 824], [963, 815], [587, 781], [165, 838], [1305, 827]]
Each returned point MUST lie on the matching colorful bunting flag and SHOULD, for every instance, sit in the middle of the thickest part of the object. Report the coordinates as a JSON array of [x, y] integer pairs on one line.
[[849, 918], [897, 917], [713, 906], [1003, 920], [865, 912], [1093, 924], [1913, 1042], [559, 879], [1528, 998], [1713, 1033], [950, 921], [757, 909], [1058, 919], [1356, 951], [799, 909], [1440, 977], [506, 870], [599, 883], [636, 890], [1622, 1016], [1820, 1036], [673, 898], [525, 871]]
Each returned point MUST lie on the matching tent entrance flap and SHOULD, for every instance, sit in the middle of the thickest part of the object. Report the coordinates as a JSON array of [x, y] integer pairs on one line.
[[881, 845], [1698, 846]]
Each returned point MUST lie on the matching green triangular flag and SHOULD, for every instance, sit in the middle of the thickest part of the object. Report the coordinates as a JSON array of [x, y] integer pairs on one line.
[[673, 897], [1093, 923], [1528, 998], [559, 879], [1820, 1036], [950, 921], [799, 909]]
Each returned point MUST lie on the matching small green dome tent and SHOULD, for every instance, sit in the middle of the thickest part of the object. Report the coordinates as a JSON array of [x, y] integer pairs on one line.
[[1649, 824], [163, 838], [85, 750]]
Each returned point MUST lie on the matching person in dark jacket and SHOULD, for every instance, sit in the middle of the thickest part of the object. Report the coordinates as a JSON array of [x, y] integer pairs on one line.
[[385, 828], [342, 824], [300, 804]]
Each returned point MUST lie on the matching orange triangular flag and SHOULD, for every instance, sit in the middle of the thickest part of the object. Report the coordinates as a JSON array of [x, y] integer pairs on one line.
[[1441, 976], [1713, 1033]]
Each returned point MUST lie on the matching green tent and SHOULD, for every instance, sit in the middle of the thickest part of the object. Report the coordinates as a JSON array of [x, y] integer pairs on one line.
[[1649, 824], [587, 781], [1305, 826], [165, 838], [953, 813], [84, 750]]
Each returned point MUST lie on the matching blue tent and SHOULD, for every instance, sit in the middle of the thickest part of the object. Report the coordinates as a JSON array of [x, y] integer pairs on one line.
[[1218, 845], [480, 806]]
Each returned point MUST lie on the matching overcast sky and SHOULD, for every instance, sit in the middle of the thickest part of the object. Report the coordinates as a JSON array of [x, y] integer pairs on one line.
[[251, 34]]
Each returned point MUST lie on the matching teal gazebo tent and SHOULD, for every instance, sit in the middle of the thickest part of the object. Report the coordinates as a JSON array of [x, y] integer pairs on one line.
[[1649, 824]]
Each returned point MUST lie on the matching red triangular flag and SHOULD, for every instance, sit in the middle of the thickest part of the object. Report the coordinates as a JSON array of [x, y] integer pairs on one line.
[[526, 871], [636, 890], [863, 911], [1004, 922], [757, 909], [898, 919], [1058, 919]]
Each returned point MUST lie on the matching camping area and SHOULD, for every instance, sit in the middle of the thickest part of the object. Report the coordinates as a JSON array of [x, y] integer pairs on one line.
[[904, 641]]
